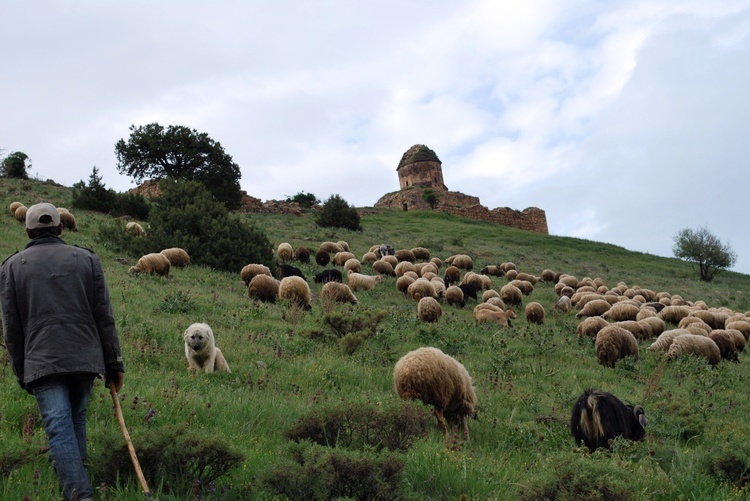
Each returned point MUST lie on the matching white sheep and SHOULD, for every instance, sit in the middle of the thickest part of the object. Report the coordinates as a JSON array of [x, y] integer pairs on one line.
[[614, 343], [338, 292], [285, 251], [429, 310], [295, 290], [358, 281], [153, 263], [691, 344], [535, 313]]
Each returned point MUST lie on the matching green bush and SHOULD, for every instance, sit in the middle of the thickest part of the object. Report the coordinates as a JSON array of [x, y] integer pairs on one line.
[[14, 166], [337, 213], [186, 215], [95, 196], [304, 200]]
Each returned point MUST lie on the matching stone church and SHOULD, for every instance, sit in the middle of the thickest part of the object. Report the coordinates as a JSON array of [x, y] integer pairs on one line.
[[420, 178]]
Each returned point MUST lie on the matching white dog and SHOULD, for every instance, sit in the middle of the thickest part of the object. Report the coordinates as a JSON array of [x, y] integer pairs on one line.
[[201, 350]]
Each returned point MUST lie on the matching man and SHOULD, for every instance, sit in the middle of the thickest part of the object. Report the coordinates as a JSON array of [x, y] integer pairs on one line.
[[60, 334]]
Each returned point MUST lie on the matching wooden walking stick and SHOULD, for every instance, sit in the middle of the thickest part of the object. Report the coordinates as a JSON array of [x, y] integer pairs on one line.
[[131, 449]]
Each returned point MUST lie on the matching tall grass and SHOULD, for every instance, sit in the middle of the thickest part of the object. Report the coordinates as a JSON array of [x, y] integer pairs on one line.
[[286, 364]]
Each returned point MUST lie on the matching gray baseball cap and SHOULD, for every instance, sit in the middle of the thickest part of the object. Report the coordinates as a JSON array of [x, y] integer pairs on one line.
[[42, 215]]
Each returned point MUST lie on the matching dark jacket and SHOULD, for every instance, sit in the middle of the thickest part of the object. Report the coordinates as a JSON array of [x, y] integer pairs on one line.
[[57, 315]]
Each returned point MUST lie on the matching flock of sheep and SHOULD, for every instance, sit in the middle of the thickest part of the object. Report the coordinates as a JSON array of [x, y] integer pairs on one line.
[[68, 220]]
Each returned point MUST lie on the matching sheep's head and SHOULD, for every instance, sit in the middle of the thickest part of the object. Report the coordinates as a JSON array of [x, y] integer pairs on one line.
[[640, 415]]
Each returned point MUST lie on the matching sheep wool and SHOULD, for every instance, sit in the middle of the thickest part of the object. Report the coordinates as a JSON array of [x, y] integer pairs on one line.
[[251, 270], [421, 253], [13, 206], [68, 221], [621, 311], [535, 313], [439, 286], [154, 263], [489, 294], [295, 290], [664, 341], [302, 254], [486, 313], [383, 268], [590, 326], [421, 288], [405, 255], [20, 213], [512, 295], [563, 305], [699, 346], [369, 258], [461, 261], [264, 288], [338, 293], [330, 247], [340, 258], [439, 380], [594, 308], [429, 310], [352, 264], [727, 348], [358, 281], [177, 256], [134, 229], [403, 283], [285, 251], [614, 343], [322, 257], [454, 295], [402, 267]]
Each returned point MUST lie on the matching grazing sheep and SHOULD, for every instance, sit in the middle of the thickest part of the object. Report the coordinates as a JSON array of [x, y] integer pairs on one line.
[[568, 280], [412, 274], [454, 296], [550, 276], [177, 256], [737, 338], [263, 288], [594, 308], [402, 267], [438, 285], [452, 275], [421, 288], [727, 348], [344, 245], [251, 270], [524, 286], [284, 270], [439, 380], [295, 290], [302, 254], [152, 263], [673, 314], [511, 274], [563, 305], [599, 417], [322, 257], [590, 326], [383, 268], [535, 313], [527, 277], [421, 254], [353, 264], [740, 325], [340, 258], [13, 206], [639, 330], [614, 343], [330, 247], [657, 325], [429, 310], [664, 341], [20, 213], [469, 290], [358, 281], [691, 344], [329, 275], [621, 311], [496, 301], [68, 221], [492, 270], [285, 251], [508, 266], [405, 255], [338, 292], [437, 262], [488, 294], [134, 229], [473, 278], [403, 283], [423, 268], [486, 312], [512, 295], [369, 258], [462, 261]]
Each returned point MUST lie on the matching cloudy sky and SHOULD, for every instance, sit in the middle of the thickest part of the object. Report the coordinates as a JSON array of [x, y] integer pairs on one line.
[[625, 121]]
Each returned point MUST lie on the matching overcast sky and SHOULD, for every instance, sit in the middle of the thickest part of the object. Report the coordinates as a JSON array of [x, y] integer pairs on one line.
[[625, 121]]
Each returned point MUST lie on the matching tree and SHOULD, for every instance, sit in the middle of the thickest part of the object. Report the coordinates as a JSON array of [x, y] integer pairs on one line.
[[337, 213], [429, 196], [95, 196], [304, 200], [14, 165], [705, 250], [178, 152]]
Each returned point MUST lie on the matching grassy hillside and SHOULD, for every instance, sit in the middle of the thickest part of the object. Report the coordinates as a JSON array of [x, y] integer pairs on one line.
[[288, 365]]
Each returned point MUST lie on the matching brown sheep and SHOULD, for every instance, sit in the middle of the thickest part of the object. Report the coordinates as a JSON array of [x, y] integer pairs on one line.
[[68, 221], [512, 295], [614, 343], [403, 283], [295, 290], [563, 305], [340, 258], [421, 254], [134, 229], [421, 288], [700, 346], [429, 310], [483, 314], [452, 273], [590, 326], [330, 247], [402, 267], [358, 281], [338, 293], [621, 311], [13, 206], [664, 341], [263, 288], [154, 263], [461, 261], [20, 213], [177, 256], [251, 270], [439, 380], [594, 308], [454, 295], [535, 313], [405, 255], [302, 254], [285, 252], [727, 348], [383, 268]]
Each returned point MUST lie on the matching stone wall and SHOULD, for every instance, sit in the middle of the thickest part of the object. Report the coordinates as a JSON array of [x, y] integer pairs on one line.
[[531, 219], [425, 174]]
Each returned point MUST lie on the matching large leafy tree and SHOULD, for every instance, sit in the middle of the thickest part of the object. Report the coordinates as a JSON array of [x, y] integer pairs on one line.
[[705, 250], [178, 152], [14, 165], [337, 213]]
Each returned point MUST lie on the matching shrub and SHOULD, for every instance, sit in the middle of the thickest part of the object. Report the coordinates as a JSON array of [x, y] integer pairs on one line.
[[304, 200], [729, 462], [14, 166], [337, 213], [95, 196], [705, 250]]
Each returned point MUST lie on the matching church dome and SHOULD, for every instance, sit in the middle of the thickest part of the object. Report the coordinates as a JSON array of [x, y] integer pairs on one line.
[[418, 153]]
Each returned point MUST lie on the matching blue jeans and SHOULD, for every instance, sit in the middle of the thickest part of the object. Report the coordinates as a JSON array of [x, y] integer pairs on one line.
[[62, 402]]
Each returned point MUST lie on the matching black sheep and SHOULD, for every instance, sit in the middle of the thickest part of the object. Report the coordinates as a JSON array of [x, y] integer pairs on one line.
[[469, 290], [302, 254], [599, 417], [322, 257], [330, 275], [287, 270]]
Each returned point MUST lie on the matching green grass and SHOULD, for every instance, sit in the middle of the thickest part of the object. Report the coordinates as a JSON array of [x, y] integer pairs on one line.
[[285, 364]]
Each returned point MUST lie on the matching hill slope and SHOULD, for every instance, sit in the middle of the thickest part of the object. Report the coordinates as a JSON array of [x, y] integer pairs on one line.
[[287, 363]]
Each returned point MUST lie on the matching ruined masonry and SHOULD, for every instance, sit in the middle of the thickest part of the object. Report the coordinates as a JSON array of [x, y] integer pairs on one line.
[[420, 171]]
